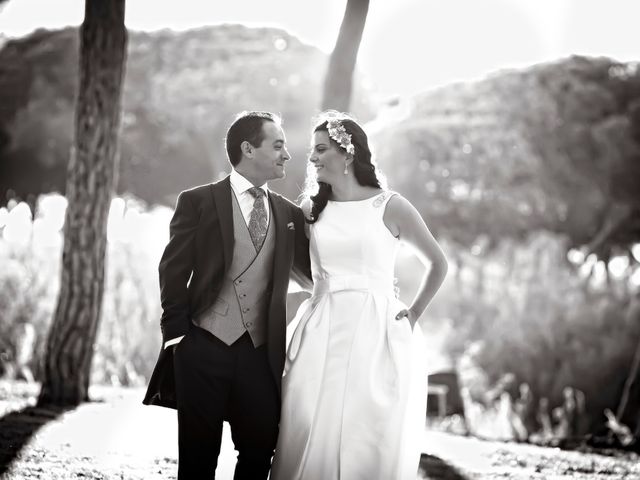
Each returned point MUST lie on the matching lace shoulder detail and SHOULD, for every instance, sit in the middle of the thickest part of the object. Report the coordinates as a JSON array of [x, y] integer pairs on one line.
[[382, 199]]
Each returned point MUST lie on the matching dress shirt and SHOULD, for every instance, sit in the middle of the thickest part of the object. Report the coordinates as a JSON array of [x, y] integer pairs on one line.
[[240, 187]]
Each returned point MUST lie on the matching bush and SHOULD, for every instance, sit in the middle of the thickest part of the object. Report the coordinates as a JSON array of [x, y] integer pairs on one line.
[[526, 310], [129, 335]]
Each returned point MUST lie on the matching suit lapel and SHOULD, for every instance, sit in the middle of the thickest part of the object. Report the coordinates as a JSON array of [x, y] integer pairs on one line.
[[222, 201]]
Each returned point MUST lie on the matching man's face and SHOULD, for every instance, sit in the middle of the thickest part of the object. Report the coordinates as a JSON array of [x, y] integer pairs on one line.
[[269, 157]]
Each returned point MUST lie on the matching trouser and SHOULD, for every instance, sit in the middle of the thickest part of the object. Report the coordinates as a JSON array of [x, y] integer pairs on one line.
[[216, 382]]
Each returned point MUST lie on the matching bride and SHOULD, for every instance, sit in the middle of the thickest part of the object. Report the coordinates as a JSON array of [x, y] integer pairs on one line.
[[354, 391]]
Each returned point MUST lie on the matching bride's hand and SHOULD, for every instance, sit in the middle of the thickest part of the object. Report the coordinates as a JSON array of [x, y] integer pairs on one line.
[[410, 314]]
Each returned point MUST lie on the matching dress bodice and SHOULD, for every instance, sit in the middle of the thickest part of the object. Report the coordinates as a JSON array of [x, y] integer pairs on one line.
[[350, 240]]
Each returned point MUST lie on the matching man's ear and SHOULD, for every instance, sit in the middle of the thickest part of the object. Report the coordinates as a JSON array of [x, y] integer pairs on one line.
[[247, 149]]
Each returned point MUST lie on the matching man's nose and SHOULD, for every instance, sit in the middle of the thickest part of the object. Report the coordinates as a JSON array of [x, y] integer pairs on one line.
[[285, 154]]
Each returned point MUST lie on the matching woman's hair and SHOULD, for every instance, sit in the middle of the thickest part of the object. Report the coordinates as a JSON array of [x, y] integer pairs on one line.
[[364, 167]]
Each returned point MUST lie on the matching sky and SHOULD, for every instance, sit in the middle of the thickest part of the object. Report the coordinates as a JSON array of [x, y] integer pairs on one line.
[[408, 46]]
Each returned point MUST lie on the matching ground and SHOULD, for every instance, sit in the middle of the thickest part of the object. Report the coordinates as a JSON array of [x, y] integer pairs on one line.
[[116, 437]]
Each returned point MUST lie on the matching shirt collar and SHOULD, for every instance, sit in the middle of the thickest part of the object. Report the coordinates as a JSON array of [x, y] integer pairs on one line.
[[240, 184]]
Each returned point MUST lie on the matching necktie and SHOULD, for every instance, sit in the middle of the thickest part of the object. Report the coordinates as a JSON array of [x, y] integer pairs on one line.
[[258, 218]]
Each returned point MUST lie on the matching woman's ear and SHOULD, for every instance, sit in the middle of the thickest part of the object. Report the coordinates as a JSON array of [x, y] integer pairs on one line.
[[348, 160], [247, 149]]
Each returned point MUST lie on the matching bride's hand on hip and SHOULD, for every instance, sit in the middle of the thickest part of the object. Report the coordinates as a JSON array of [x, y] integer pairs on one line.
[[409, 314]]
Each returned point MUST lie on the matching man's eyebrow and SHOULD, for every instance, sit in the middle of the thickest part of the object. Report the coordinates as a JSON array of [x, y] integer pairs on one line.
[[278, 141]]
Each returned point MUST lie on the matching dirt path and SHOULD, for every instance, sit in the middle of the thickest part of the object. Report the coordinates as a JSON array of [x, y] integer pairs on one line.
[[453, 457], [121, 439]]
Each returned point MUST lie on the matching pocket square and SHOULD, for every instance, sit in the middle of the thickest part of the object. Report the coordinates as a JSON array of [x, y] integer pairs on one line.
[[291, 226]]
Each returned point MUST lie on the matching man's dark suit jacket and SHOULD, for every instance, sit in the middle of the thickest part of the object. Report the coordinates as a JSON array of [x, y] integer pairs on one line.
[[195, 262]]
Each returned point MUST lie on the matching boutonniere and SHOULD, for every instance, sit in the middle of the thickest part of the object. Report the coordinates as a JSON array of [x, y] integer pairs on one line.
[[291, 226]]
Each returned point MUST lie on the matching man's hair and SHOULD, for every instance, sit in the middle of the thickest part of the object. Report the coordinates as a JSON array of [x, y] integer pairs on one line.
[[247, 126]]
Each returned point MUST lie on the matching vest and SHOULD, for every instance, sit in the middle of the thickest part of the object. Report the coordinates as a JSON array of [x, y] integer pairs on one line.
[[243, 302]]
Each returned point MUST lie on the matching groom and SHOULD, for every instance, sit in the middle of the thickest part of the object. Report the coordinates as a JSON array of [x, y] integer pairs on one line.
[[223, 280]]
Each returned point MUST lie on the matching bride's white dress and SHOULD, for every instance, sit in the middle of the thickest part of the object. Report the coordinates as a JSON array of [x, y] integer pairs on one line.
[[355, 384]]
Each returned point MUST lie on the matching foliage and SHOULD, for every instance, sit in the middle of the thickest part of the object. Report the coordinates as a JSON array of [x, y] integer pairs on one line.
[[512, 173], [525, 310], [129, 336], [553, 147], [28, 289], [181, 91]]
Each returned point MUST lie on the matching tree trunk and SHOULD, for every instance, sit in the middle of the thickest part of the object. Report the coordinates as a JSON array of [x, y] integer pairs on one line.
[[634, 376], [90, 184], [339, 77]]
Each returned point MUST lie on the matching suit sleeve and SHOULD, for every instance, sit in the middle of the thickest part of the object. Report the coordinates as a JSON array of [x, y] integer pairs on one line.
[[176, 266], [301, 271]]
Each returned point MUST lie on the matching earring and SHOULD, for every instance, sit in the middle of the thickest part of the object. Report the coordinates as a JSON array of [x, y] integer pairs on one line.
[[346, 171]]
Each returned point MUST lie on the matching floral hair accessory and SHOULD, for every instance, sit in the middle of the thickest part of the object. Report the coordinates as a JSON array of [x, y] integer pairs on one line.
[[339, 134]]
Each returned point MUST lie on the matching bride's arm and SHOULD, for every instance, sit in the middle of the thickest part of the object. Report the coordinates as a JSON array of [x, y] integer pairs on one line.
[[306, 209], [301, 273], [403, 221]]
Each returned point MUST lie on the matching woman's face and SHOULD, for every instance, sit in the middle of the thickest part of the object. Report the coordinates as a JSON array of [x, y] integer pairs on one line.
[[327, 158]]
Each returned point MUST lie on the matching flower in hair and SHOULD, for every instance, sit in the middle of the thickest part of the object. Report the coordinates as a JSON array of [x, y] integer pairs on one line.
[[339, 134]]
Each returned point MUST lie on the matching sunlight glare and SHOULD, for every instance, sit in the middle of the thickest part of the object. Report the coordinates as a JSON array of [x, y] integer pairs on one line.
[[4, 215], [115, 225], [575, 256], [18, 226], [618, 266], [52, 208]]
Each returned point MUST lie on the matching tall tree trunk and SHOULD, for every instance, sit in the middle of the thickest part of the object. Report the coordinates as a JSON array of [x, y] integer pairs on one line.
[[632, 379], [339, 78], [90, 183]]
